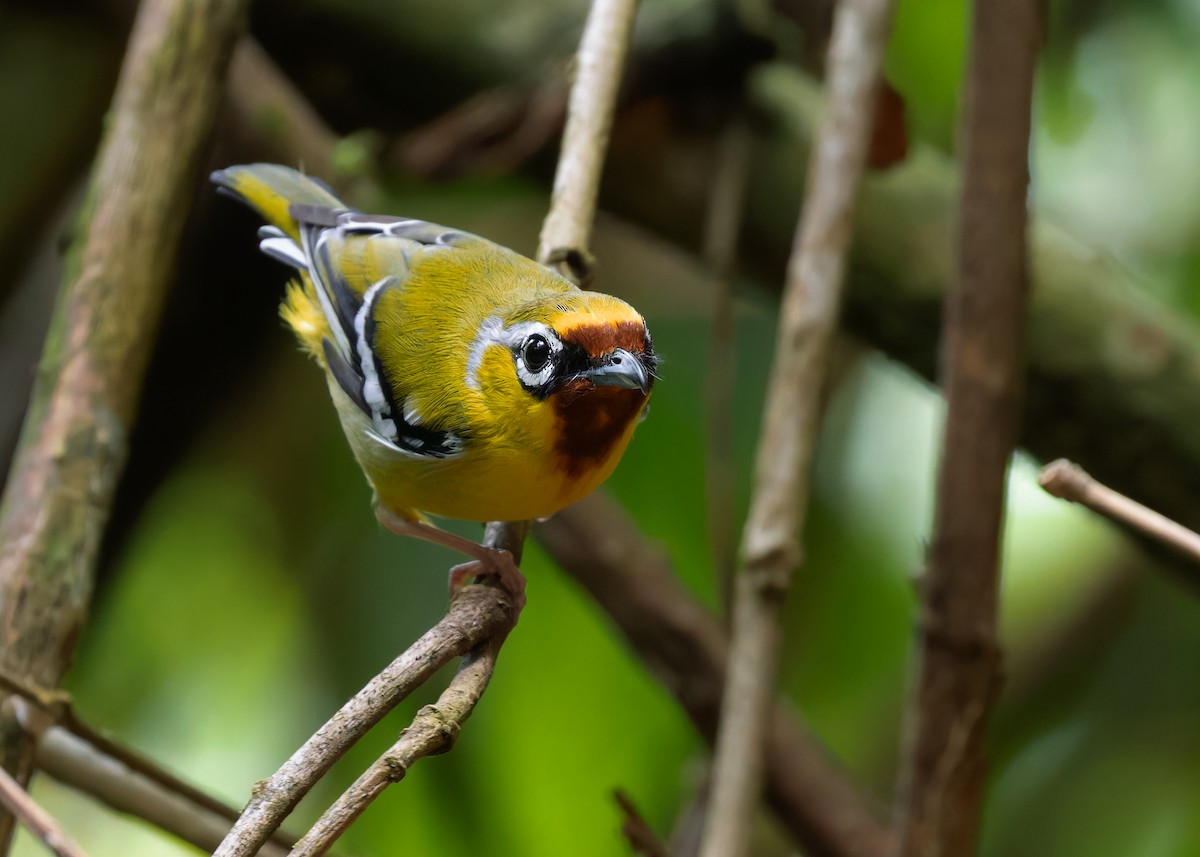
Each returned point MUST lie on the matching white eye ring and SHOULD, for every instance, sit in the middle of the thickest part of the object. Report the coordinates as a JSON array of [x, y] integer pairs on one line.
[[521, 337]]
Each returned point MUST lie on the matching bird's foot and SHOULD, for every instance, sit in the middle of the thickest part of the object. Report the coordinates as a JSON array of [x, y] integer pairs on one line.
[[496, 563]]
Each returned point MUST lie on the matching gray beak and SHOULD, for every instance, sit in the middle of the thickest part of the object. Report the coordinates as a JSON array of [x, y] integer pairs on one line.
[[620, 369]]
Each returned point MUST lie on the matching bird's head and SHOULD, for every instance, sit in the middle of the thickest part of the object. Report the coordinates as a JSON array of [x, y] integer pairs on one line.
[[584, 363]]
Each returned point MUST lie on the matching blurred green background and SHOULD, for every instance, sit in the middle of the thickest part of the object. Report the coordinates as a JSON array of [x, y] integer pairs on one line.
[[246, 590]]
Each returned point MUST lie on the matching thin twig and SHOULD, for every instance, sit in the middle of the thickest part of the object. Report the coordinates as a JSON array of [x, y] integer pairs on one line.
[[39, 822], [721, 229], [75, 440], [566, 234], [637, 831], [434, 730], [942, 772], [476, 614], [808, 318], [685, 647], [160, 800], [1071, 482]]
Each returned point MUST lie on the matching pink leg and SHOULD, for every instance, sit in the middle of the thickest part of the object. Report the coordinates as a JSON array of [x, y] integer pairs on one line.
[[487, 560]]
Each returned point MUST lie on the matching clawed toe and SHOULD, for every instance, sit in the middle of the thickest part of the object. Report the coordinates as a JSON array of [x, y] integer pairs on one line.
[[498, 563]]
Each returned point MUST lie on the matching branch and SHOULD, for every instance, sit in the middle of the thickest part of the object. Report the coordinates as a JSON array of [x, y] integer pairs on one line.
[[808, 318], [1071, 482], [959, 659], [39, 822], [567, 232], [637, 831], [140, 790], [74, 443], [686, 647], [476, 614], [434, 730]]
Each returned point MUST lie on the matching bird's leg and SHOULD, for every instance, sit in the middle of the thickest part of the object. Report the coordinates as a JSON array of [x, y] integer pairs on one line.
[[487, 560]]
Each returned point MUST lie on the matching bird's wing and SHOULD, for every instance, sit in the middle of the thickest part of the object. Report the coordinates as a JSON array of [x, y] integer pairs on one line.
[[354, 261]]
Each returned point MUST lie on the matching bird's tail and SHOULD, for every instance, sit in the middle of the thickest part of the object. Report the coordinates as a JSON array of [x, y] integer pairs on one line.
[[272, 190]]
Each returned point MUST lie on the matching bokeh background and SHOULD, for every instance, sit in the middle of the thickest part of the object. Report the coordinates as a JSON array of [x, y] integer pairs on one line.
[[246, 590]]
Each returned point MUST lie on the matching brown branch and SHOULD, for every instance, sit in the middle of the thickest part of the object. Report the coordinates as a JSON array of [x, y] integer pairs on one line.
[[685, 647], [567, 232], [434, 730], [476, 614], [808, 318], [983, 346], [36, 820], [1071, 482], [637, 831], [74, 443], [140, 789]]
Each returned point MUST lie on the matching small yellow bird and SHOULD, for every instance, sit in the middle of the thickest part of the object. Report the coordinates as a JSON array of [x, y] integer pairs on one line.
[[471, 381]]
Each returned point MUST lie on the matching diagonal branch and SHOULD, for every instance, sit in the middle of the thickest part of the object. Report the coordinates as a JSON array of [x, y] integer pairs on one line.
[[476, 614], [686, 647], [434, 730], [39, 822], [983, 349], [808, 318]]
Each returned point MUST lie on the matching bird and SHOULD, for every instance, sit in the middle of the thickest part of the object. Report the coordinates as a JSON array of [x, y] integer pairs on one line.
[[471, 381]]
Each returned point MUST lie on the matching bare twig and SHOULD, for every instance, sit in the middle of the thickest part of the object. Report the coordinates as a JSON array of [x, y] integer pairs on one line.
[[476, 614], [720, 252], [1071, 482], [808, 318], [637, 831], [74, 443], [434, 730], [160, 800], [567, 232], [942, 773], [686, 647], [39, 822]]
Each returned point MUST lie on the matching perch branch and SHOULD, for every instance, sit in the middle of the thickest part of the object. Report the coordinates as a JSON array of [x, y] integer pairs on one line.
[[808, 318], [434, 730], [942, 772], [686, 647], [1071, 482], [476, 614], [36, 820], [74, 442]]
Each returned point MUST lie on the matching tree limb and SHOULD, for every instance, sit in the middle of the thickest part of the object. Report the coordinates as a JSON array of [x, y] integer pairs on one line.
[[36, 820], [74, 443], [942, 774], [434, 730], [809, 313], [476, 614], [685, 647]]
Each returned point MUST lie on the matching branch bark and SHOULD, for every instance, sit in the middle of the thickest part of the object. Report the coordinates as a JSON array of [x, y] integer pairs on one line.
[[984, 346], [74, 443], [1071, 482], [39, 822], [808, 318], [476, 614], [686, 647], [434, 730]]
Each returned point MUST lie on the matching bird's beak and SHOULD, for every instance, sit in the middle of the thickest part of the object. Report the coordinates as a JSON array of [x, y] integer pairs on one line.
[[620, 369]]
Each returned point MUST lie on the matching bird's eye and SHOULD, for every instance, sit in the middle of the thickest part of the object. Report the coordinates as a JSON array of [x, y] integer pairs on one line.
[[536, 353]]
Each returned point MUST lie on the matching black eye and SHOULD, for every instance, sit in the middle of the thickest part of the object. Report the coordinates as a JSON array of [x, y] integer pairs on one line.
[[536, 353]]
